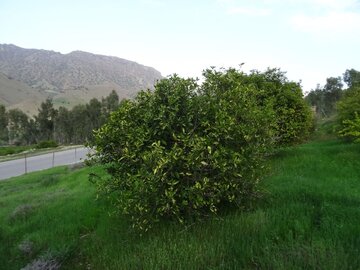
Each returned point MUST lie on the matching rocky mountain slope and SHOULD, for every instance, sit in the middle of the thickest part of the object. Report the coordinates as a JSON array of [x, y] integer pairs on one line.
[[68, 78]]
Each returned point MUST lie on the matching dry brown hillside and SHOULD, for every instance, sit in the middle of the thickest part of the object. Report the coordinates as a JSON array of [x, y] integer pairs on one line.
[[15, 94]]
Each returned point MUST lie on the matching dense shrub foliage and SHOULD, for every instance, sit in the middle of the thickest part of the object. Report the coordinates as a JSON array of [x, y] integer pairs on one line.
[[349, 114], [293, 115], [47, 144], [184, 150], [293, 118]]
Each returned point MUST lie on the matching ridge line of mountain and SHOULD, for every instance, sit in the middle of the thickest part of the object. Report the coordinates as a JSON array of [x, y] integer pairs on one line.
[[70, 79]]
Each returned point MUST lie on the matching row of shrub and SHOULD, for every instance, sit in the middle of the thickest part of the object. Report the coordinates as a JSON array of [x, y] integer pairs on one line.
[[47, 144], [349, 114], [15, 149], [185, 150]]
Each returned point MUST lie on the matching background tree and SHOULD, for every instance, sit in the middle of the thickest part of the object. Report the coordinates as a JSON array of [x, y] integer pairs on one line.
[[325, 98], [316, 98], [45, 120], [3, 125], [64, 130], [95, 117], [79, 123], [31, 132], [352, 77], [110, 103], [17, 126], [63, 125], [332, 94]]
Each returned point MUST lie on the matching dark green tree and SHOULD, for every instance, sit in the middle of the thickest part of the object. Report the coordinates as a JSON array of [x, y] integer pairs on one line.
[[45, 120], [324, 99], [316, 99], [64, 130], [17, 126], [332, 94], [110, 103], [95, 118], [79, 122], [3, 125], [352, 77], [31, 132]]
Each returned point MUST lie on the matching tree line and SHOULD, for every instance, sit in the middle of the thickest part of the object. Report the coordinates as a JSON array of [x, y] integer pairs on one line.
[[342, 105], [324, 98], [62, 125]]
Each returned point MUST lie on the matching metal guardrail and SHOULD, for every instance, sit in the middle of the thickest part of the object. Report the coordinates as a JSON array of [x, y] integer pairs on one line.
[[28, 163]]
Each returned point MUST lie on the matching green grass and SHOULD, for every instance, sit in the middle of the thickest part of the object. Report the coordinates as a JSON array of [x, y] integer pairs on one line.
[[325, 129], [308, 218]]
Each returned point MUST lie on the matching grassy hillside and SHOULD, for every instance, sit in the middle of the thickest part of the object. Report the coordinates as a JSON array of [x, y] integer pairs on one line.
[[308, 219]]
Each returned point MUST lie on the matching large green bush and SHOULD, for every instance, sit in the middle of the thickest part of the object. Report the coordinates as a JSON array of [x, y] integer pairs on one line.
[[349, 114], [183, 151]]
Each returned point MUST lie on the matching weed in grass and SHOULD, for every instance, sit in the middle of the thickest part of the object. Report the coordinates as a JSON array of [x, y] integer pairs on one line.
[[76, 166], [51, 259], [54, 194], [22, 212], [26, 247], [43, 264], [50, 180]]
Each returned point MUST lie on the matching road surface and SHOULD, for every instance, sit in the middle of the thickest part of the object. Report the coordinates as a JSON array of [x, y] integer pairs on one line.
[[36, 163]]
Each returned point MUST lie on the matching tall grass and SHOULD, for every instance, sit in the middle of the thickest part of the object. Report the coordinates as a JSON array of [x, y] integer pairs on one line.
[[308, 218]]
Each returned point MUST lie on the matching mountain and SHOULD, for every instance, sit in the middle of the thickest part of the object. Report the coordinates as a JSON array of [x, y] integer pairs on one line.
[[76, 77], [15, 94]]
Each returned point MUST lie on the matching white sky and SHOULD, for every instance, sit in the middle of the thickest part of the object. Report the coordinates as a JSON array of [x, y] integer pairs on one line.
[[309, 39]]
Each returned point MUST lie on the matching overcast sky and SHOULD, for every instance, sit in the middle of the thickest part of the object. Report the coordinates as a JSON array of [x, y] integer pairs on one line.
[[309, 39]]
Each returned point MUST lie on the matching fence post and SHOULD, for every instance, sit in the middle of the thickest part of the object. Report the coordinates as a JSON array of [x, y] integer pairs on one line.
[[53, 159], [75, 154], [25, 164]]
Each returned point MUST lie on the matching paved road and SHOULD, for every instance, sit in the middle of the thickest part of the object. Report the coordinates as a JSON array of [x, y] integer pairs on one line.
[[36, 163]]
